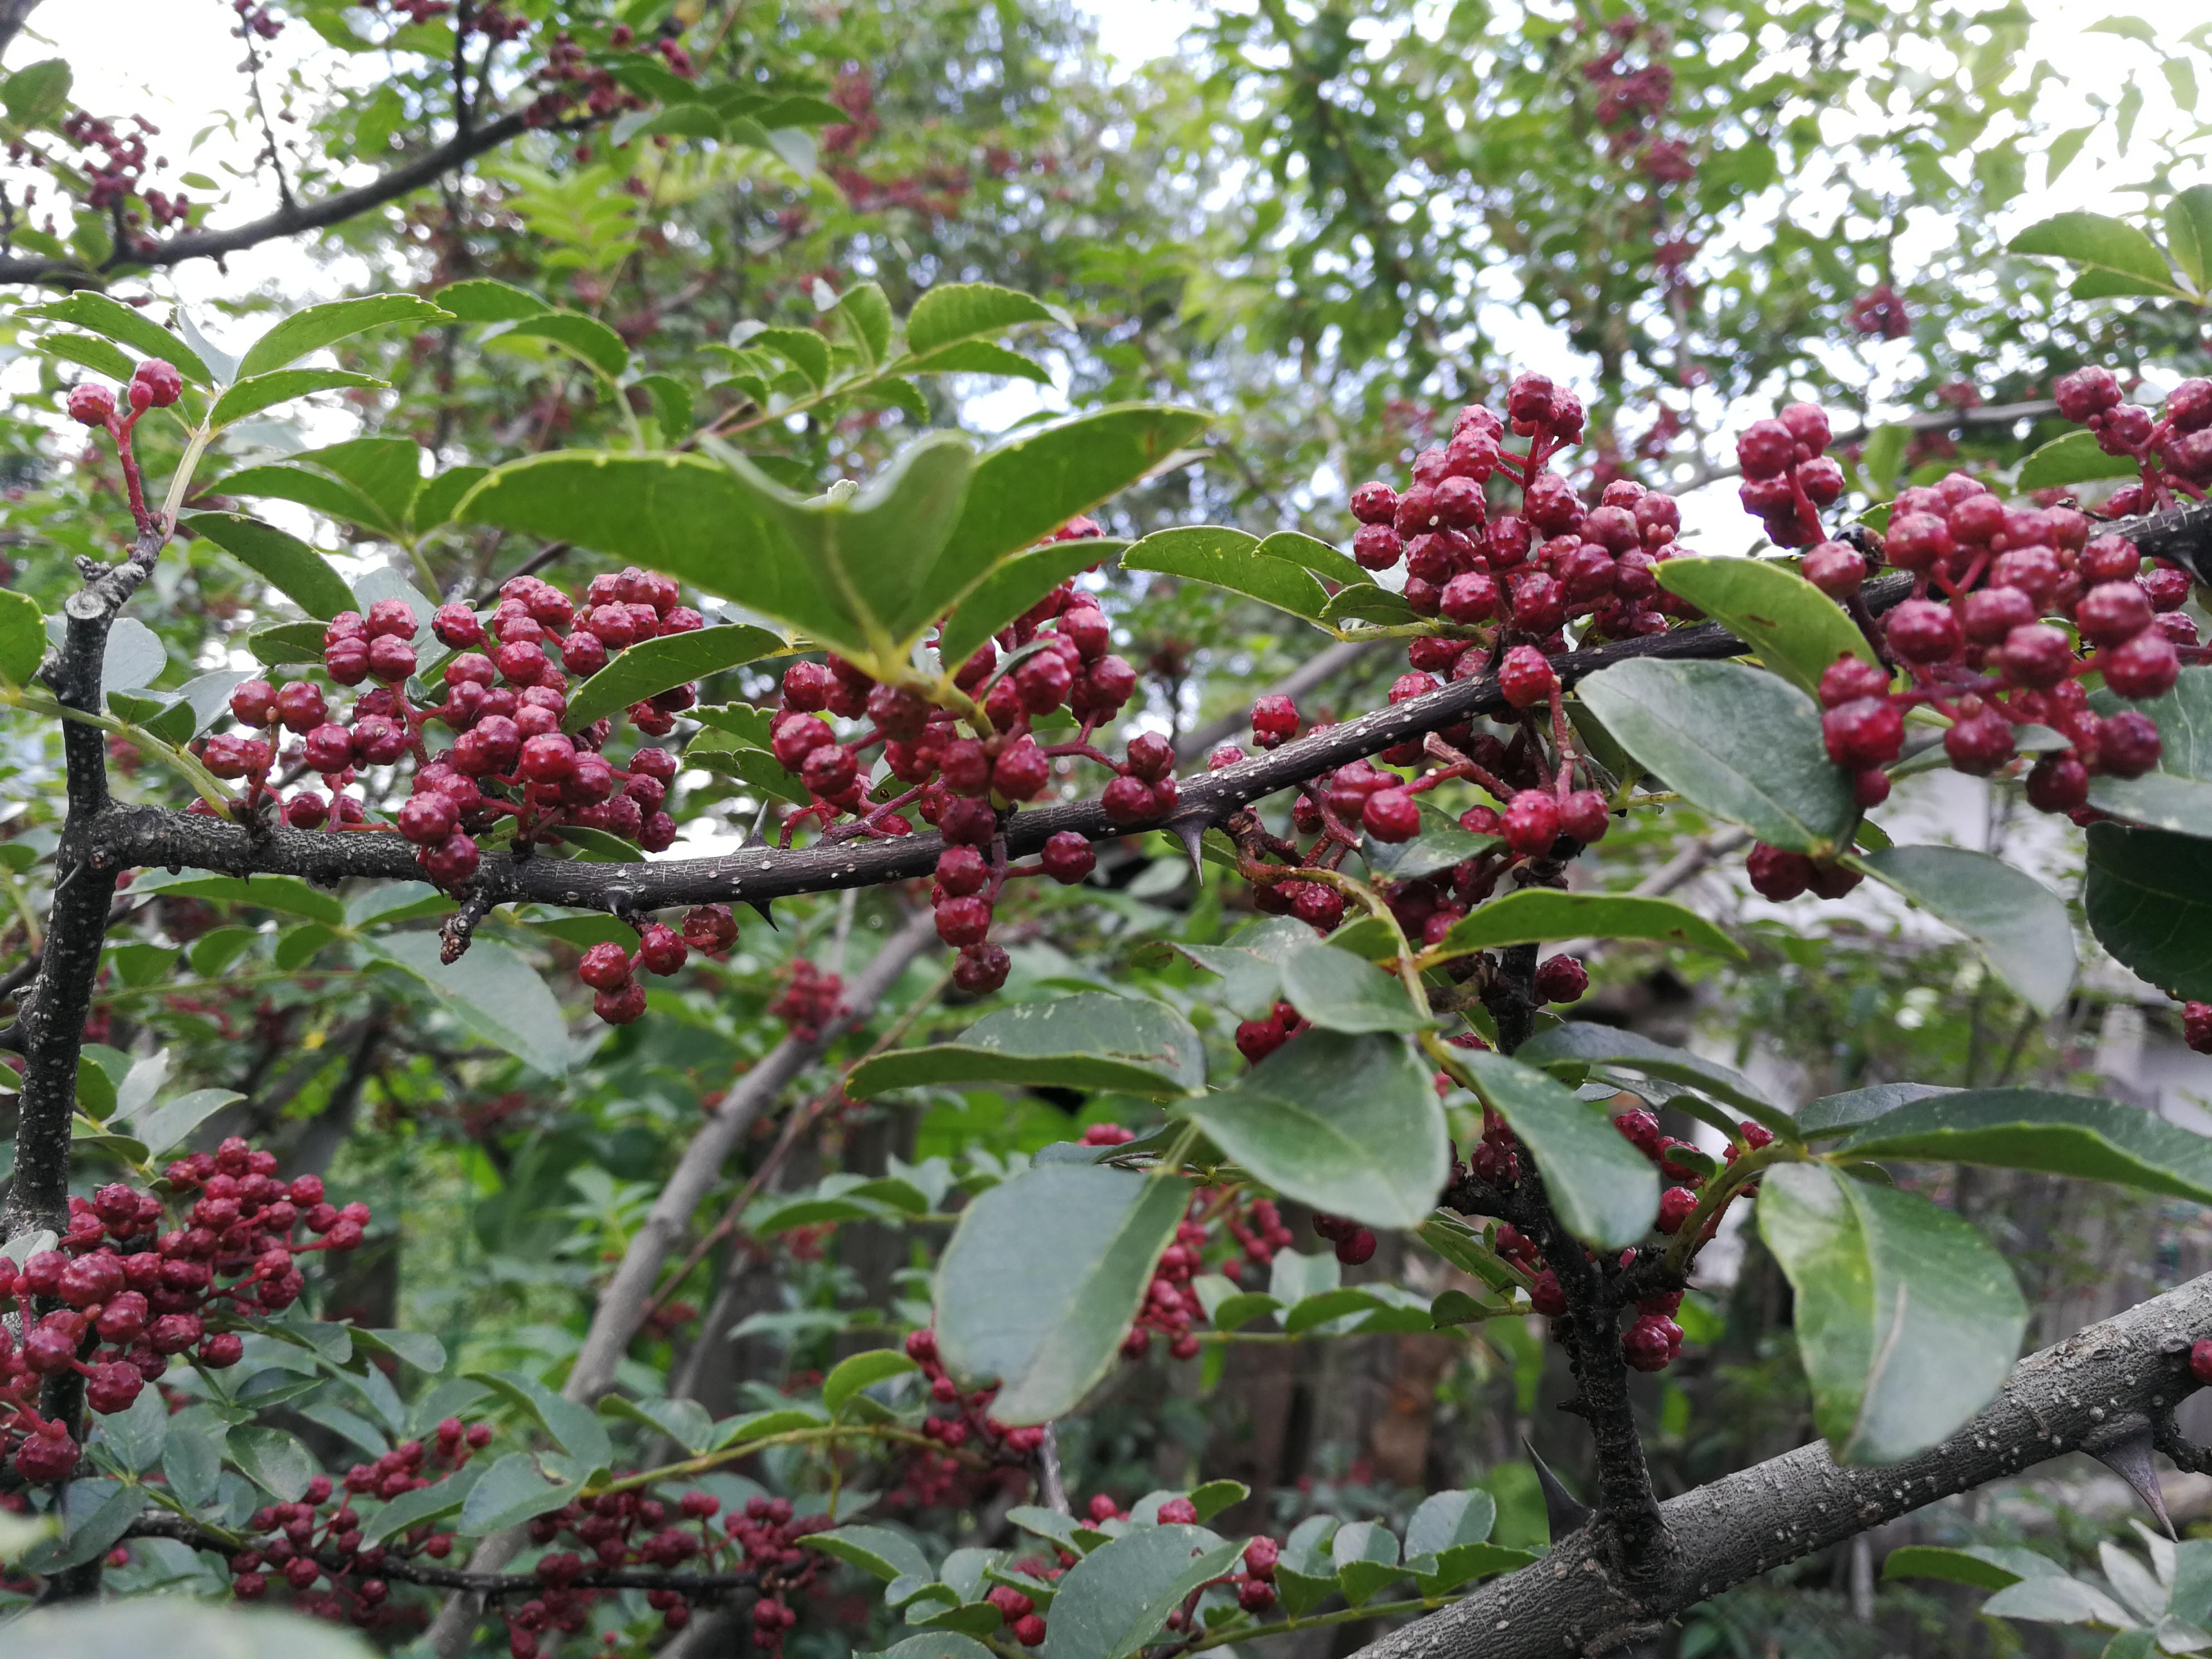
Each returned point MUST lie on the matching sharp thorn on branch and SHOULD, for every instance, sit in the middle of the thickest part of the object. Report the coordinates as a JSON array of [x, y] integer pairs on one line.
[[2128, 1455], [1564, 1513]]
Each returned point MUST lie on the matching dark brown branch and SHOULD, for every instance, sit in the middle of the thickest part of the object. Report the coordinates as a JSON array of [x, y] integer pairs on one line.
[[2090, 1390], [136, 835], [408, 1569], [291, 220]]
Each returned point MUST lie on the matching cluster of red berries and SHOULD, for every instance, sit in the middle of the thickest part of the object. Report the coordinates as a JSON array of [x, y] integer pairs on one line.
[[573, 86], [1259, 1233], [114, 166], [154, 385], [631, 1530], [617, 997], [1789, 475], [1879, 311], [134, 1295], [1258, 1038], [810, 999], [1983, 641], [1170, 1306], [1354, 1244], [996, 1454], [962, 783], [2176, 440], [318, 1537]]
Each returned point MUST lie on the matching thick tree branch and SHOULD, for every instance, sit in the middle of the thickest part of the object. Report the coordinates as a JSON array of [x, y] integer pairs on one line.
[[136, 836], [2098, 1387], [293, 219]]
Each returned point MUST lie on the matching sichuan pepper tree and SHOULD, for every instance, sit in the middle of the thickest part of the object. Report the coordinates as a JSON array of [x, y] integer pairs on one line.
[[945, 721]]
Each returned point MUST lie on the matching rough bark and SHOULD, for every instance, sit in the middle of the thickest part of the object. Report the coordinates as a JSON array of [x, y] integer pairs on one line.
[[2084, 1394]]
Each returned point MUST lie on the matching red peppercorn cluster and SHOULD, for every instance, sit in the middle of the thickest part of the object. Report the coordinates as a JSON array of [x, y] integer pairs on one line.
[[573, 82], [1258, 1038], [1879, 311], [1353, 1242], [2197, 1026], [1259, 1231], [810, 999], [2011, 607], [1170, 1306], [133, 1294], [617, 996], [996, 1454], [509, 757], [1789, 475], [2173, 449], [1057, 656], [312, 1547]]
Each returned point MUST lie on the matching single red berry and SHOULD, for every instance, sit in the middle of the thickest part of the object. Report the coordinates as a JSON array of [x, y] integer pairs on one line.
[[1029, 1631], [605, 966], [964, 921], [1532, 822], [2144, 667], [1068, 857], [1525, 677], [1274, 721], [1849, 679], [2057, 783], [1391, 815], [660, 950], [1561, 979], [1545, 1295], [982, 969], [1127, 799], [1355, 1247], [1651, 1343], [1865, 731], [1923, 631], [2200, 1351], [1258, 1038], [2128, 743], [1676, 1206], [2197, 1026]]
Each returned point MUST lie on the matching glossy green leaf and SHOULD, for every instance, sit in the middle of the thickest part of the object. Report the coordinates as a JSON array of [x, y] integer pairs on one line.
[[273, 1460], [1094, 1040], [2101, 244], [431, 1503], [1573, 1047], [2058, 1599], [22, 637], [1835, 1114], [1445, 1520], [385, 473], [1311, 553], [980, 357], [754, 766], [2054, 1133], [127, 325], [686, 1422], [493, 992], [1349, 1124], [2189, 232], [574, 1428], [1016, 583], [2019, 924], [287, 895], [1908, 1320], [1736, 742], [1365, 1555], [169, 1125], [1341, 991], [36, 93], [482, 300], [937, 1645], [511, 1491], [866, 317], [88, 351], [1985, 1566], [1117, 1600], [1534, 915], [2149, 899], [1441, 844], [862, 1370], [968, 311], [586, 338], [1798, 630], [178, 1628], [1368, 603], [2177, 795], [245, 398], [1606, 1192], [317, 326], [1025, 488], [1229, 559], [1047, 1323], [651, 666], [285, 562], [2076, 457], [333, 497]]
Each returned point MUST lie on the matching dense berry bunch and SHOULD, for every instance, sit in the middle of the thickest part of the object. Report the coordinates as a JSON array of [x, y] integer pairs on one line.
[[2172, 449], [962, 756], [810, 999], [618, 997], [135, 1292], [1170, 1306], [1789, 475], [979, 1456]]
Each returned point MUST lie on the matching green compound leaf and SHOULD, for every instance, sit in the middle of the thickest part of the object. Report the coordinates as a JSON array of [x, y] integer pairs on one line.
[[1798, 630], [1094, 1040]]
